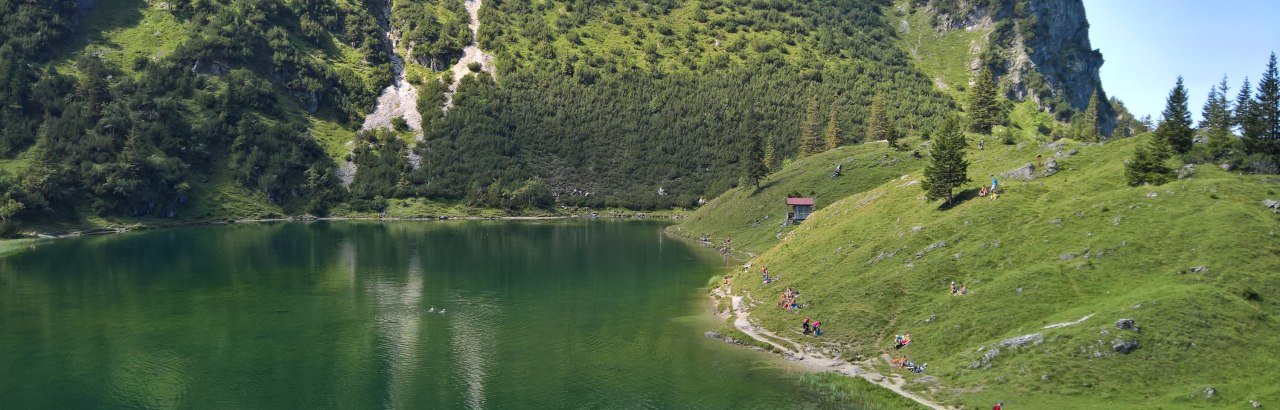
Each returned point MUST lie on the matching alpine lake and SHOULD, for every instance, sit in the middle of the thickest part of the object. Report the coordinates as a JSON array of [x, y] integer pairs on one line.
[[452, 314]]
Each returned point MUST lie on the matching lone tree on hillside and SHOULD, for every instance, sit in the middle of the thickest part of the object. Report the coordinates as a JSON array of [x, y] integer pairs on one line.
[[1091, 133], [809, 142], [753, 166], [878, 126], [947, 169], [832, 135], [1148, 164], [984, 107], [1176, 130]]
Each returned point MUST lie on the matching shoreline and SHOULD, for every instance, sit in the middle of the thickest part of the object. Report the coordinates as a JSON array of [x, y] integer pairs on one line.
[[41, 235], [809, 360]]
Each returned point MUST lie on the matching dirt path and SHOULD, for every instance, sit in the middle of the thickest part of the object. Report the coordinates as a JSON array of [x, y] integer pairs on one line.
[[471, 54], [813, 360]]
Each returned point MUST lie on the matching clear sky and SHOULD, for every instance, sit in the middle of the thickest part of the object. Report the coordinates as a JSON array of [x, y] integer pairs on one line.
[[1148, 43]]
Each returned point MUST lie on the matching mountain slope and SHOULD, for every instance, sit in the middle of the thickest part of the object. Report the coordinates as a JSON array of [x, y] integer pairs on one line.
[[1193, 263]]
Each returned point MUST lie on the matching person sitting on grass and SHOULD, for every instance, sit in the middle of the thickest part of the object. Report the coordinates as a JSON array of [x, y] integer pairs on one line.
[[899, 362], [817, 329], [807, 326], [953, 287], [964, 290], [902, 341], [983, 192]]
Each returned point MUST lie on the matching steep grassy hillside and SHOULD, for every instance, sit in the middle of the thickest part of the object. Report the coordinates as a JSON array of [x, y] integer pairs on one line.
[[755, 219], [1194, 263]]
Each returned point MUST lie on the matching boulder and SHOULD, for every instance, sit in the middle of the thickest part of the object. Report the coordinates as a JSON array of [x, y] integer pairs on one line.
[[985, 359], [1024, 173], [1125, 346], [1226, 166], [1032, 339], [1199, 269], [1050, 167], [1126, 324], [1209, 392], [1187, 171], [1271, 204]]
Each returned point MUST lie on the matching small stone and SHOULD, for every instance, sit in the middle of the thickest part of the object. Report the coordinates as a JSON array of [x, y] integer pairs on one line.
[[1209, 392], [1255, 404], [1032, 339], [1067, 256], [1152, 195], [1044, 377], [1199, 269], [1124, 347], [931, 318], [1226, 167], [1126, 324]]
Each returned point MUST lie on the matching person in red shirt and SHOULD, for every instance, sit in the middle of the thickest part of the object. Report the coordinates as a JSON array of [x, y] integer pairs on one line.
[[999, 405]]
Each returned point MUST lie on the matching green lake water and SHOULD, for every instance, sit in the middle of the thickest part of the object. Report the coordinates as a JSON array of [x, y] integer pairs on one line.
[[563, 314]]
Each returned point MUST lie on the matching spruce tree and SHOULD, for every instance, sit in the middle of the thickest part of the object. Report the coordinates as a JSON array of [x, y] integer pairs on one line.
[[1216, 122], [878, 127], [1091, 133], [984, 108], [1262, 133], [832, 135], [769, 157], [1176, 130], [947, 168], [1241, 115], [1148, 164], [809, 142], [753, 165]]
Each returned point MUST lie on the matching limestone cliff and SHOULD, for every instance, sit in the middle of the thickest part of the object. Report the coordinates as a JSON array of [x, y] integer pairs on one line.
[[1040, 49]]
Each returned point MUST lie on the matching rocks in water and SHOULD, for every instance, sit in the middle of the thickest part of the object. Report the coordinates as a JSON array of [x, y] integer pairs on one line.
[[711, 334], [1126, 324], [1125, 346], [1031, 339], [1024, 173], [985, 359]]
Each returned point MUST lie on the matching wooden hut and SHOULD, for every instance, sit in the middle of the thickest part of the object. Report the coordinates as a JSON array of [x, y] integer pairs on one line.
[[798, 209]]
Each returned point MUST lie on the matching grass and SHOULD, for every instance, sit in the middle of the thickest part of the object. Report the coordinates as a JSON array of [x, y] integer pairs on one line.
[[1051, 250], [754, 219], [944, 56], [122, 30]]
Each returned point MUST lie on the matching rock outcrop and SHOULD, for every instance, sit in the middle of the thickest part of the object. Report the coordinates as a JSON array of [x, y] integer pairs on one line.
[[1040, 50]]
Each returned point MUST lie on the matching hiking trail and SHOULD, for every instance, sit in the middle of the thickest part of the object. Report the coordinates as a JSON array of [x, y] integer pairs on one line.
[[814, 360]]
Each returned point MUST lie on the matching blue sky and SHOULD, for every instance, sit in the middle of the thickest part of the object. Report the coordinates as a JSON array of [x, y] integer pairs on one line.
[[1147, 44]]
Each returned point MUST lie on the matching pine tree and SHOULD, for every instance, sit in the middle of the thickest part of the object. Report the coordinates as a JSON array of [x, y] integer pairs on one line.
[[984, 108], [809, 142], [1090, 131], [878, 127], [1216, 122], [1176, 130], [1241, 115], [1148, 164], [769, 160], [753, 165], [832, 135], [1262, 132], [947, 169]]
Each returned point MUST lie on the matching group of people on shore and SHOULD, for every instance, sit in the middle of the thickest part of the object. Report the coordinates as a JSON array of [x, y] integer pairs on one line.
[[788, 299], [811, 326]]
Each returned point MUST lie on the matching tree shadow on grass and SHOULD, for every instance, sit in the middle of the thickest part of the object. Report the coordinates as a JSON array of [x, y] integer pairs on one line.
[[960, 198]]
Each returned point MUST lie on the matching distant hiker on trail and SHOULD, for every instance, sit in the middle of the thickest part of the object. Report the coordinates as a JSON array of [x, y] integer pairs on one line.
[[807, 326]]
